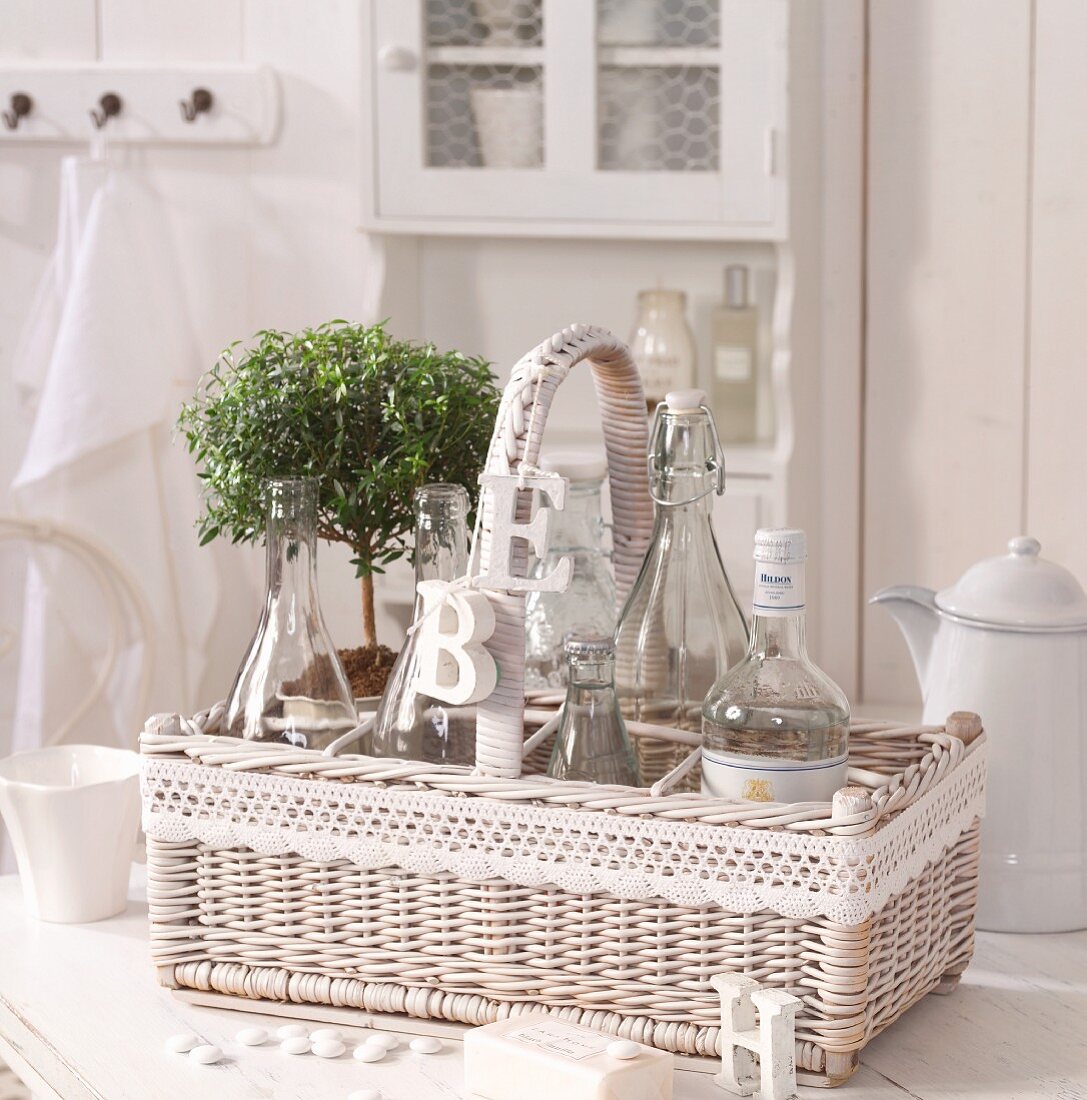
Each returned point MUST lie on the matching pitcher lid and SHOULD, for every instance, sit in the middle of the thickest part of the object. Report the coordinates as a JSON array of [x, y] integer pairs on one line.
[[1018, 589]]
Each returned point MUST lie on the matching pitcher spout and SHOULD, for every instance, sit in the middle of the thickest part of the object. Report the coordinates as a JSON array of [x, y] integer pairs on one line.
[[914, 609]]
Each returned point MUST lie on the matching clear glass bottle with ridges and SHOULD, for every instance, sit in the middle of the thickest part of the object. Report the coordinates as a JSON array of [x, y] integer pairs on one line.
[[587, 607], [681, 626], [775, 728], [592, 744], [411, 725]]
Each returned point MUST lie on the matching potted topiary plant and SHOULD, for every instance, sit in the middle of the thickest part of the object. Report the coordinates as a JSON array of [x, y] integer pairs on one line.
[[371, 416]]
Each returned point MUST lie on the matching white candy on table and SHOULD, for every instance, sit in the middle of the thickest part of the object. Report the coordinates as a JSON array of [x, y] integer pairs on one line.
[[332, 1033], [369, 1052], [382, 1039], [179, 1044], [207, 1054], [426, 1044], [328, 1048], [540, 1058], [290, 1031], [251, 1036], [367, 1094], [295, 1044]]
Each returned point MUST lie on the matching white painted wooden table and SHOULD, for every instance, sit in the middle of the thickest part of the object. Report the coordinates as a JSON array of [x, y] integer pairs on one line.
[[81, 1017]]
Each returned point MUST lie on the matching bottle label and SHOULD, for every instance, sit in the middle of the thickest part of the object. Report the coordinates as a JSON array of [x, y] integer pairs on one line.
[[661, 374], [755, 779], [779, 589], [732, 364]]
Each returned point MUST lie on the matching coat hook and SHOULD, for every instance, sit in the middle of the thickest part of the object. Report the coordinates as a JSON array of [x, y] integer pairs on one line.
[[197, 104], [109, 105], [21, 106]]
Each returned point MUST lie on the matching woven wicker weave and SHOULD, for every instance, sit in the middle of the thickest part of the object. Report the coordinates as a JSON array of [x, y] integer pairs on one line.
[[468, 895]]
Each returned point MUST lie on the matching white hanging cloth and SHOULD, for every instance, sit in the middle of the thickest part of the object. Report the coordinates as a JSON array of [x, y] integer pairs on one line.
[[106, 358]]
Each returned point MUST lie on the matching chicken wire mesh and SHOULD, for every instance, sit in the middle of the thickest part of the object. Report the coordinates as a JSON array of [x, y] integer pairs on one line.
[[484, 116], [659, 118], [484, 22], [668, 23]]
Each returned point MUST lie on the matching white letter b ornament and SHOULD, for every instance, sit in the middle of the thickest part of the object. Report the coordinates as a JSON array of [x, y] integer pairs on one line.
[[453, 665]]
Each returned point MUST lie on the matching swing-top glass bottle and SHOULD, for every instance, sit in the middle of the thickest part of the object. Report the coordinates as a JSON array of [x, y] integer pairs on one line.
[[681, 626]]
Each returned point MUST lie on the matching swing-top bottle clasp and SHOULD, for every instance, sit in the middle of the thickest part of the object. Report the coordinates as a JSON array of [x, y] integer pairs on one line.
[[680, 402]]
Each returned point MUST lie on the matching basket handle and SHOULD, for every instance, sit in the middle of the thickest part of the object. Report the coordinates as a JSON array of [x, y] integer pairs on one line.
[[515, 445]]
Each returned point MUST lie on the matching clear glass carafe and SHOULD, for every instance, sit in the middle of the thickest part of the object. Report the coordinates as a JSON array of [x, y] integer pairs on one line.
[[587, 607], [662, 344], [411, 725], [291, 685], [592, 744], [681, 627], [775, 728]]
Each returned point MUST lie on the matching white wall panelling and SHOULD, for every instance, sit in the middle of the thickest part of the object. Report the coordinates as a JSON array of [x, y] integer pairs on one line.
[[949, 149]]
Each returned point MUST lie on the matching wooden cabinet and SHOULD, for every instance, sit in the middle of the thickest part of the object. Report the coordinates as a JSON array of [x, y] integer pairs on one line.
[[631, 118]]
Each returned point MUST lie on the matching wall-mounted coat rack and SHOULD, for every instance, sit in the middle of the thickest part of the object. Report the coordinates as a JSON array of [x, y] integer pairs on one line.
[[139, 104]]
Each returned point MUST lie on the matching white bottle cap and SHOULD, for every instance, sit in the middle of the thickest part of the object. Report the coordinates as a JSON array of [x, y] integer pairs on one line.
[[685, 401], [780, 545], [576, 465]]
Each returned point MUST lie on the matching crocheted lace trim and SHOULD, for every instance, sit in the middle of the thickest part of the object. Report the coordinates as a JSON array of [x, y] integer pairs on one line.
[[741, 870]]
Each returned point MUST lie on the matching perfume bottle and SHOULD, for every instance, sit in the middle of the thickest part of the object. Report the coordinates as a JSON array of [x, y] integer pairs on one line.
[[776, 728], [409, 723], [681, 626], [592, 744], [662, 344], [588, 604], [291, 685], [736, 361]]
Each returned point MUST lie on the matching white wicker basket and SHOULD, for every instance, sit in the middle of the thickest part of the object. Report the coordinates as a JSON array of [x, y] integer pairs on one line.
[[459, 894]]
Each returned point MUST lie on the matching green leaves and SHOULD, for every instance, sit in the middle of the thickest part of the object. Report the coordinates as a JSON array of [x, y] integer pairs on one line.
[[372, 417]]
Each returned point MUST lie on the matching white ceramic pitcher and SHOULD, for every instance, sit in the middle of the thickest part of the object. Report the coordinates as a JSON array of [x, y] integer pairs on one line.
[[73, 813], [1009, 641]]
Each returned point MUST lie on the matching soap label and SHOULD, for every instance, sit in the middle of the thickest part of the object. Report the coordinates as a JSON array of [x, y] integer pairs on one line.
[[754, 779], [732, 364], [565, 1040]]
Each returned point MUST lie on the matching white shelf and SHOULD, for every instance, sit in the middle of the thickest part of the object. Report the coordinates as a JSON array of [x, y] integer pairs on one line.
[[485, 55], [641, 57]]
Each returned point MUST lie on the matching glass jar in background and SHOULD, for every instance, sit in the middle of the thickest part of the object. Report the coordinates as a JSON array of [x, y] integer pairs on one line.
[[587, 607], [681, 627], [411, 725], [592, 744], [662, 344], [291, 685]]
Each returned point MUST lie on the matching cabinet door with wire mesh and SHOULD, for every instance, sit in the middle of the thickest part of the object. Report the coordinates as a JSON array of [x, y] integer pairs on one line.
[[594, 116]]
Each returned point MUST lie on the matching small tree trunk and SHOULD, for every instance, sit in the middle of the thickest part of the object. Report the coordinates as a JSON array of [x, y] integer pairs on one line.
[[369, 625]]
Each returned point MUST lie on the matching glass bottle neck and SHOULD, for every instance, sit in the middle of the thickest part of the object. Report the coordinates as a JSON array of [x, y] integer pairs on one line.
[[441, 533], [781, 632], [778, 636], [683, 465], [292, 559]]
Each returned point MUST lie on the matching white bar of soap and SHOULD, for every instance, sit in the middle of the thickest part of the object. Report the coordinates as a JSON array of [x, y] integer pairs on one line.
[[539, 1058]]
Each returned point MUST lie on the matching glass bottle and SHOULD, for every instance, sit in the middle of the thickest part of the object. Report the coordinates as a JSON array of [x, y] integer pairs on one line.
[[587, 607], [735, 360], [592, 744], [681, 626], [411, 725], [775, 728], [662, 344], [291, 685]]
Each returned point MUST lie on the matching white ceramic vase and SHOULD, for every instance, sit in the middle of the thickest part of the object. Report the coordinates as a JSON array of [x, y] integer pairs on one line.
[[73, 814]]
